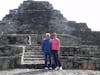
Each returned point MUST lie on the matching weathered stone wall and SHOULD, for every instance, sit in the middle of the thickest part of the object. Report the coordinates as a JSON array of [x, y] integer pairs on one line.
[[73, 53], [81, 57], [10, 56], [69, 40], [11, 51]]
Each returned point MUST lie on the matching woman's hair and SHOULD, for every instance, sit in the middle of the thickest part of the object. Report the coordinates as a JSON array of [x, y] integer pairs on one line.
[[54, 34]]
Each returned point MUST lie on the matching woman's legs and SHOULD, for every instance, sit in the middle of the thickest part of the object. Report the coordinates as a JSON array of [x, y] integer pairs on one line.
[[56, 58]]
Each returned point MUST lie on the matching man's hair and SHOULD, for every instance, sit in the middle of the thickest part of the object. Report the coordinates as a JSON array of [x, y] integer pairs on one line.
[[47, 34]]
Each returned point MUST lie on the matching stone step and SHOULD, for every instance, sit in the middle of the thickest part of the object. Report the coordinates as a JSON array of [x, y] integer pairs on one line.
[[33, 59], [32, 47], [33, 56], [33, 53], [33, 50], [34, 62]]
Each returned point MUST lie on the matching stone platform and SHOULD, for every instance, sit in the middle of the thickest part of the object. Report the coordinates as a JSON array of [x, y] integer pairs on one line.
[[46, 72]]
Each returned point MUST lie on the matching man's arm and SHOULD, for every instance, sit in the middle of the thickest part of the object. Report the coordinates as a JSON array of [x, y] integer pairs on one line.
[[51, 44]]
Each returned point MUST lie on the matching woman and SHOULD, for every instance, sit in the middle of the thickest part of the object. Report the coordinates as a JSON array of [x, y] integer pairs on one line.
[[55, 52]]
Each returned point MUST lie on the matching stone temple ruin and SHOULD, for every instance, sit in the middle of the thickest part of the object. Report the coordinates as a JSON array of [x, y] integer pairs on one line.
[[22, 30]]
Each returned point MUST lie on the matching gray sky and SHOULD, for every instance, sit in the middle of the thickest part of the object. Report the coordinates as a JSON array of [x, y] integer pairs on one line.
[[87, 11]]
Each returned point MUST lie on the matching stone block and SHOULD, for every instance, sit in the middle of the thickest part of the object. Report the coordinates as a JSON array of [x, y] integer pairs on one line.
[[37, 39], [18, 40], [68, 40], [33, 47], [3, 39], [10, 50]]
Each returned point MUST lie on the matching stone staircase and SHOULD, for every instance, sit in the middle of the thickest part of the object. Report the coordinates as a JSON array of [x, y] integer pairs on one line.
[[32, 55]]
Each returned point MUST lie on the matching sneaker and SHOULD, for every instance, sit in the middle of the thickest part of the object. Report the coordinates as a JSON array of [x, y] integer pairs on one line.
[[46, 68], [57, 68], [50, 68], [60, 68]]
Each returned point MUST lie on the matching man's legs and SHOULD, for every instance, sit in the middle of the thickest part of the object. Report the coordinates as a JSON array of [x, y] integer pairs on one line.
[[50, 62], [45, 65]]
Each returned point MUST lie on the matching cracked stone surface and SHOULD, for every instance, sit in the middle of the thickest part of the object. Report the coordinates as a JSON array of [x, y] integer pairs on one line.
[[48, 72]]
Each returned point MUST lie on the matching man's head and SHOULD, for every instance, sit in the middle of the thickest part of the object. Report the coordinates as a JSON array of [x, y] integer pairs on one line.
[[47, 35]]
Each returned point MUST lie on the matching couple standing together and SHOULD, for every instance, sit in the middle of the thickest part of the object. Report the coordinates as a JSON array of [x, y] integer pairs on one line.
[[51, 49]]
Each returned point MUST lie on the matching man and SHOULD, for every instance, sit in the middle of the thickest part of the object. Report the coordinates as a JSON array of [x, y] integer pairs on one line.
[[55, 52], [46, 47]]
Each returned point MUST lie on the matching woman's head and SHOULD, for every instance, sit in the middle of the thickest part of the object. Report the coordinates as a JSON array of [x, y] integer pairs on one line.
[[54, 35]]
